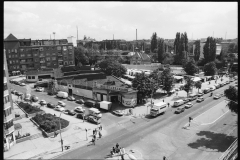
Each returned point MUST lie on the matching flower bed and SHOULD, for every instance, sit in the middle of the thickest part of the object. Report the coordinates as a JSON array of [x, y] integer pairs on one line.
[[21, 138], [28, 108], [49, 123]]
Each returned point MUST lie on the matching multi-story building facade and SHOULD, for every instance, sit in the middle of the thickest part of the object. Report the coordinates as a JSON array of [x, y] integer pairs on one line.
[[8, 127], [27, 54]]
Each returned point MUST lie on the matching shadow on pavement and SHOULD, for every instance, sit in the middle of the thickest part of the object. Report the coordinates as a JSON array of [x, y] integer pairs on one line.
[[214, 141]]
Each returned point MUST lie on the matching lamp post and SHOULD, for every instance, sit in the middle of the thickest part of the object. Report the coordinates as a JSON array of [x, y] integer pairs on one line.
[[60, 132]]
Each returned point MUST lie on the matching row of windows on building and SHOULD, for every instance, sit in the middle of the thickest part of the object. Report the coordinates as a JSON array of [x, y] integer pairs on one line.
[[36, 54], [42, 64], [7, 112], [41, 49], [37, 60], [6, 99], [5, 87]]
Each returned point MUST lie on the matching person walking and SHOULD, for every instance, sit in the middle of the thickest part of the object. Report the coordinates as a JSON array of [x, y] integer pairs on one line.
[[93, 132], [168, 105], [94, 136], [100, 135], [114, 150], [163, 100], [93, 141], [117, 145]]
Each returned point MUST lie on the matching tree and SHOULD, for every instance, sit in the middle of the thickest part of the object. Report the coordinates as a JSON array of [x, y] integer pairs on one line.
[[198, 85], [197, 50], [167, 79], [168, 58], [154, 42], [210, 69], [145, 85], [188, 86], [80, 56], [160, 50], [112, 67], [209, 50], [232, 48], [232, 94], [190, 68], [176, 47], [156, 76]]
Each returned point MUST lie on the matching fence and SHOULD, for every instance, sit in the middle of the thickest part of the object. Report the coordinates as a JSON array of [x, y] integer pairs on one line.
[[226, 155]]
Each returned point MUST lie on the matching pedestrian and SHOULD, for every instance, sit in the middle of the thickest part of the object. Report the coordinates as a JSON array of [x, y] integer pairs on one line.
[[209, 82], [54, 115], [114, 150], [122, 153], [93, 132], [163, 100], [100, 127], [100, 135], [164, 158], [117, 145], [168, 104], [93, 141], [94, 136]]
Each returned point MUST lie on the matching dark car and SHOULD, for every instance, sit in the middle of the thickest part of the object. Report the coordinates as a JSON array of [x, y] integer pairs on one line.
[[180, 109], [80, 101], [50, 105], [186, 100], [13, 91], [90, 103], [18, 93], [50, 93], [81, 116], [70, 112], [94, 120]]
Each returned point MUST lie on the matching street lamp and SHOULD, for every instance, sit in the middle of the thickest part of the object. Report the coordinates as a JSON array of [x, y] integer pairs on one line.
[[60, 132]]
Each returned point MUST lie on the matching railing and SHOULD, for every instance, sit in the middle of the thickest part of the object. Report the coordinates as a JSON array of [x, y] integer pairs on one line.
[[229, 151]]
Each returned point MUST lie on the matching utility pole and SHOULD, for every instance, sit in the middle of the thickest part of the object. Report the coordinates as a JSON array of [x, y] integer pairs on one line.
[[60, 132]]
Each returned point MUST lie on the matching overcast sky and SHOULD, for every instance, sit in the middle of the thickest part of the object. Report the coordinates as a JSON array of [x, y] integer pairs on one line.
[[100, 20]]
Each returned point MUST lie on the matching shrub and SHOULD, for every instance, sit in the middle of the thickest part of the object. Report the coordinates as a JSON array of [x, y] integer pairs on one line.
[[28, 108], [49, 122]]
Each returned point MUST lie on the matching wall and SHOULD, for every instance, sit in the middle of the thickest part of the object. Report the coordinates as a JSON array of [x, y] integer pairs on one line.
[[77, 91], [146, 67]]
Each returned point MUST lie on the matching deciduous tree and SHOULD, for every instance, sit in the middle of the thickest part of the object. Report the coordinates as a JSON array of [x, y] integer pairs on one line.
[[210, 69], [198, 85], [167, 79], [154, 42], [111, 67], [190, 67], [197, 50], [209, 50], [188, 86], [232, 94], [160, 50]]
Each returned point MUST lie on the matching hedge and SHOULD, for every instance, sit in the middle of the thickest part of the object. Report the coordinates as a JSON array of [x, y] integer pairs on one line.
[[29, 108], [49, 122]]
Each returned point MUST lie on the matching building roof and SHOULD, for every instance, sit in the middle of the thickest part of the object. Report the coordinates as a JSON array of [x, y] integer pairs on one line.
[[11, 37], [142, 55]]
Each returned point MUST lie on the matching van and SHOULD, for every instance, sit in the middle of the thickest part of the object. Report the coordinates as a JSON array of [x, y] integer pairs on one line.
[[178, 103], [62, 94], [206, 90], [193, 96], [95, 112]]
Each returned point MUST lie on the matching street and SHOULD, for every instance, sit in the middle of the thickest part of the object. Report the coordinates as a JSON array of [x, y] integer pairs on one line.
[[166, 129]]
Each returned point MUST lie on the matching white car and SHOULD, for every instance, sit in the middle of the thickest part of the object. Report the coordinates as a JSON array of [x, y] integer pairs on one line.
[[79, 109], [40, 89], [59, 108], [188, 105], [22, 84], [61, 103], [43, 102]]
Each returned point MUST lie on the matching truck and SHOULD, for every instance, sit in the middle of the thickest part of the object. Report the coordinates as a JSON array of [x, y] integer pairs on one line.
[[158, 108], [105, 105]]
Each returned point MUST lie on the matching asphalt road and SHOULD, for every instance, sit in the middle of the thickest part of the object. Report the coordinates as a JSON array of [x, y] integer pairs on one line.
[[107, 118], [167, 126]]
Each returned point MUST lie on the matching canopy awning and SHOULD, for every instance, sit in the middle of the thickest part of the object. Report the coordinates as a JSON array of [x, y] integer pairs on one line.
[[178, 77], [195, 79]]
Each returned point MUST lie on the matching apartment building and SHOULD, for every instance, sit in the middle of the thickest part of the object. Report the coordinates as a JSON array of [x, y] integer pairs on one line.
[[27, 54], [8, 127]]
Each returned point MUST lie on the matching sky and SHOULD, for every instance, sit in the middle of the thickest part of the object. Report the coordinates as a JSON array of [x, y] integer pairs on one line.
[[102, 20]]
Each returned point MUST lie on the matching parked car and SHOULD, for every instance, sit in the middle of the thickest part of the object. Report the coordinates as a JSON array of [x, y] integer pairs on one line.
[[186, 100], [206, 90], [212, 88], [200, 94], [90, 103], [40, 89], [50, 93], [71, 98], [51, 105], [59, 108], [200, 99], [227, 82], [79, 109], [22, 84], [17, 83], [221, 84], [70, 112], [188, 105], [61, 103], [80, 101], [34, 98], [82, 116], [94, 120], [43, 102], [180, 109], [13, 91], [118, 112], [17, 93]]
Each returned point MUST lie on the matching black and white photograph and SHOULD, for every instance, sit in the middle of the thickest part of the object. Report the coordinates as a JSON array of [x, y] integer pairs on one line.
[[120, 80]]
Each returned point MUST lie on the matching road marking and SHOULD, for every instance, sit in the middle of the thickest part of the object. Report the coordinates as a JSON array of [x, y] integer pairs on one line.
[[215, 119]]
